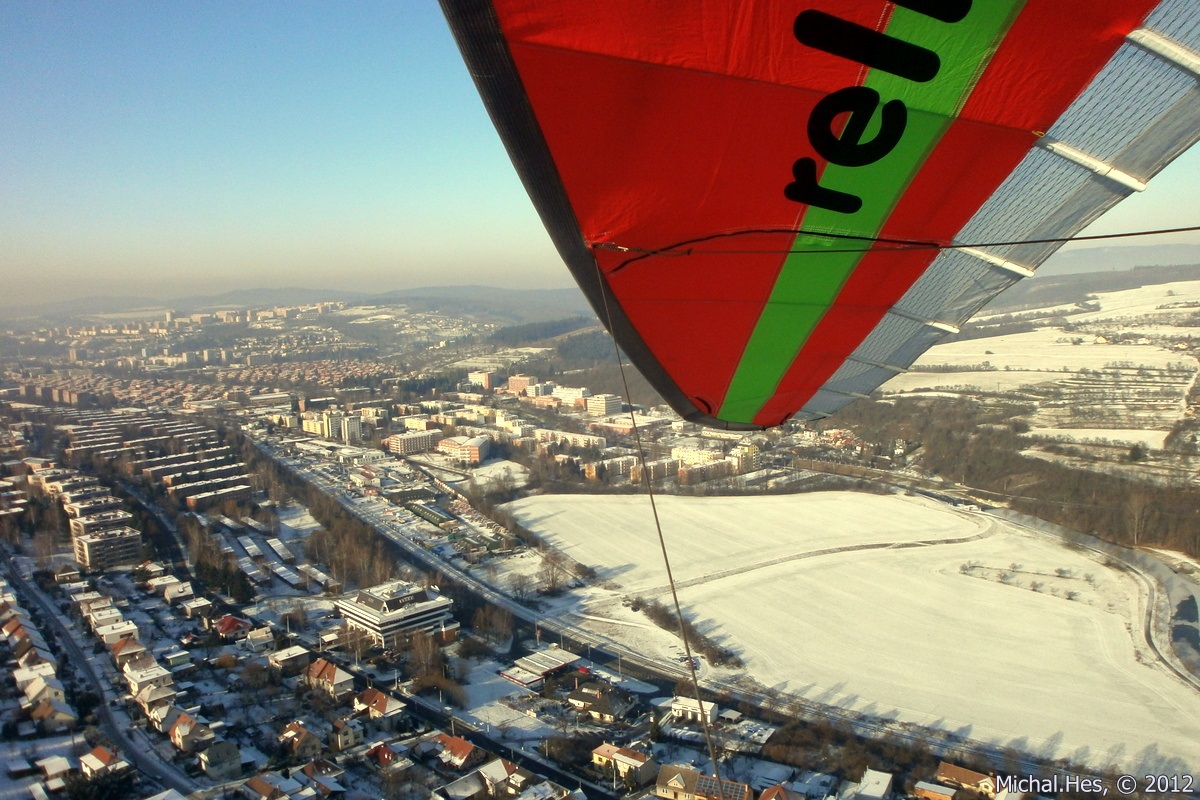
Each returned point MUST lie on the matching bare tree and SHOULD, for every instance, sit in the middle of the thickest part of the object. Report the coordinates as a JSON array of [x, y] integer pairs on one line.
[[492, 623], [355, 640], [296, 617], [553, 573], [43, 547], [426, 657], [1137, 508], [521, 586]]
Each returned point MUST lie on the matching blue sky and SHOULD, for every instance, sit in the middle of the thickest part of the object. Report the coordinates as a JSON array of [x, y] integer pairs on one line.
[[165, 149]]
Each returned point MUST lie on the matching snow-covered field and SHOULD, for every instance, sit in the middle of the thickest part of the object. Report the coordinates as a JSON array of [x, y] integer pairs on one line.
[[615, 534], [496, 474], [1141, 302], [1043, 355], [970, 380], [1035, 357], [1003, 635], [1151, 439], [1124, 367]]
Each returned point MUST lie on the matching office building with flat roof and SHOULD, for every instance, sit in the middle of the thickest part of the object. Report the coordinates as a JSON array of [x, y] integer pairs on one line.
[[391, 612]]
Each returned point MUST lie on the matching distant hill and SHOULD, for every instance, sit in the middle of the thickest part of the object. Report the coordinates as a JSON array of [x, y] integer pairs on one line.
[[240, 298], [261, 298], [81, 307], [1114, 258], [517, 305], [1050, 290], [509, 306]]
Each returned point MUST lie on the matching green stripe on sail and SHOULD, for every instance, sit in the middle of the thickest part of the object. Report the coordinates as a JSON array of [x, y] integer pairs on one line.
[[809, 283]]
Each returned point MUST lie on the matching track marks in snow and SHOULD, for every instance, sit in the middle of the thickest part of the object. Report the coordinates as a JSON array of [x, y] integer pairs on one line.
[[827, 551]]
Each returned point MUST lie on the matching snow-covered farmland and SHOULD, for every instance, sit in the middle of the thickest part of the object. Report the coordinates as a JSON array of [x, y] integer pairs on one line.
[[1041, 355], [1155, 300], [1121, 366], [615, 534], [966, 623], [1151, 439]]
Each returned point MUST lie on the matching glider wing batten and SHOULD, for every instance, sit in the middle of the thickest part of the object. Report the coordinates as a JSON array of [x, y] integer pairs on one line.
[[1047, 197], [647, 125], [987, 141]]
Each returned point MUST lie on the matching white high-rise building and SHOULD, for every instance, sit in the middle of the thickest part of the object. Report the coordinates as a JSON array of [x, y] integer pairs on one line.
[[606, 404], [403, 444], [351, 429]]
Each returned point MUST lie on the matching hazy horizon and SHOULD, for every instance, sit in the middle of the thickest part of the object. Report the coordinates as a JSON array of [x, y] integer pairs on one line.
[[165, 151]]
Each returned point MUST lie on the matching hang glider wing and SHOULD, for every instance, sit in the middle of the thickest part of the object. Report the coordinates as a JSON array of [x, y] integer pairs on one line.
[[737, 184]]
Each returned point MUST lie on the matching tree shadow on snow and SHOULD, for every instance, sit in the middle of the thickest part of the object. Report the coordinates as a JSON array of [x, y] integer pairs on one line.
[[831, 694]]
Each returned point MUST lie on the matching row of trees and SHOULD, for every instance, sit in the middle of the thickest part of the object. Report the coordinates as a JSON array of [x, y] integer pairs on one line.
[[666, 619], [980, 446], [350, 548], [538, 331], [210, 565]]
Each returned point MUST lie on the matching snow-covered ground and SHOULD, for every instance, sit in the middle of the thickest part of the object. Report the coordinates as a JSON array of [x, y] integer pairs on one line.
[[955, 383], [496, 474], [1023, 359], [616, 535], [895, 606], [486, 692], [1125, 367], [1041, 355], [69, 746], [1144, 301], [295, 522]]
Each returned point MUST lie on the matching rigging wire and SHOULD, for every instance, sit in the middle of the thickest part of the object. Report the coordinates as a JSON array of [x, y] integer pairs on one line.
[[685, 247], [662, 543]]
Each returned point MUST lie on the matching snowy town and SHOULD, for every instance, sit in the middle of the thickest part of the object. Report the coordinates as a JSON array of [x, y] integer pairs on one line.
[[135, 673], [239, 588]]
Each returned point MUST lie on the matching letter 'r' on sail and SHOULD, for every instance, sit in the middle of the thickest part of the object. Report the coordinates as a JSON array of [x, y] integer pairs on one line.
[[733, 182]]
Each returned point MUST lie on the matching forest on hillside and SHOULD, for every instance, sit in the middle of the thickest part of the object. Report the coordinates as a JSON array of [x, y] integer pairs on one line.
[[980, 445]]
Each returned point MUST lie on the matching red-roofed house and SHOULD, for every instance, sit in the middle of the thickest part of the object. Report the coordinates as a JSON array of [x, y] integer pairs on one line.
[[457, 753], [232, 628], [926, 790], [53, 716], [100, 762], [347, 733], [391, 757], [379, 707], [189, 734], [124, 650], [634, 768], [259, 788], [779, 792], [327, 677], [963, 778], [301, 741]]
